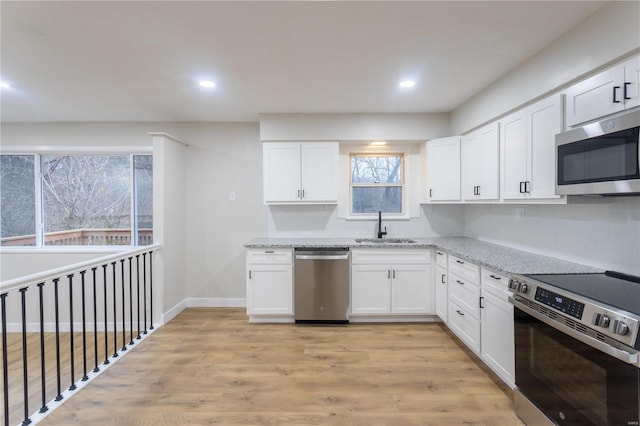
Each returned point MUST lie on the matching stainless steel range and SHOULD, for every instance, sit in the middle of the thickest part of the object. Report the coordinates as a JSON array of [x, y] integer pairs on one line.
[[577, 343]]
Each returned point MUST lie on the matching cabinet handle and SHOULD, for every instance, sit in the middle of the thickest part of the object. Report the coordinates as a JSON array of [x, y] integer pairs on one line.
[[460, 282], [494, 277], [439, 253], [626, 98], [249, 273], [394, 273], [442, 279], [303, 196], [615, 93], [460, 313], [480, 302], [460, 262], [268, 251], [527, 188], [521, 190], [388, 273], [298, 194], [430, 192], [478, 190]]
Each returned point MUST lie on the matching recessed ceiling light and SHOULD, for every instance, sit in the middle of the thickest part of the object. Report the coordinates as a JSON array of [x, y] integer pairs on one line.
[[208, 84], [4, 85], [378, 143], [407, 83]]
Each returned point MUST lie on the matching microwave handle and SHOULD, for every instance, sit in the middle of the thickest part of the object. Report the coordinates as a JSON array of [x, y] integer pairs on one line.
[[624, 356]]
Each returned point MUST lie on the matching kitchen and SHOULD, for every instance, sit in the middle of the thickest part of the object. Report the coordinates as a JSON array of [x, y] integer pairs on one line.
[[601, 233]]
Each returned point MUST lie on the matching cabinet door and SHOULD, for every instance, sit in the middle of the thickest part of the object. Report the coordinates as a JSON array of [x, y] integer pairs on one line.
[[489, 160], [410, 289], [320, 171], [632, 82], [442, 294], [269, 289], [370, 289], [281, 171], [471, 165], [497, 337], [513, 147], [443, 169], [544, 121], [595, 97]]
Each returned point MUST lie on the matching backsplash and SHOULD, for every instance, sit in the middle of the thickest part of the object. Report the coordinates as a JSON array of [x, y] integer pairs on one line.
[[600, 232], [322, 221]]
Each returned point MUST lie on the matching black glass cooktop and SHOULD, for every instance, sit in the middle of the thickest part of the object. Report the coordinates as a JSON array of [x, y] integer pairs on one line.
[[617, 290]]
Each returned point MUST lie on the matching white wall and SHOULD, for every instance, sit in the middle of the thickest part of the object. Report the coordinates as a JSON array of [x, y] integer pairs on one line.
[[602, 38], [341, 127], [17, 263], [601, 232]]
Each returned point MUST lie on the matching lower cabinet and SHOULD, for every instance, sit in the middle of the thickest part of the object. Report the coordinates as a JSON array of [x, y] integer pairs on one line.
[[442, 294], [497, 326], [269, 278], [393, 281], [464, 326]]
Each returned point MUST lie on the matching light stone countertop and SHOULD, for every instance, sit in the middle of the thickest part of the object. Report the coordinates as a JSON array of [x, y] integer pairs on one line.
[[499, 258]]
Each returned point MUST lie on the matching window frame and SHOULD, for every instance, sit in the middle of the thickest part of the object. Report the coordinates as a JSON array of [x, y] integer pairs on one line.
[[37, 152], [402, 185]]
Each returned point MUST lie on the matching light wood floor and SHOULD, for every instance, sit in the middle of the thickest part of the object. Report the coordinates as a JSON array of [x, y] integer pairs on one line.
[[209, 366]]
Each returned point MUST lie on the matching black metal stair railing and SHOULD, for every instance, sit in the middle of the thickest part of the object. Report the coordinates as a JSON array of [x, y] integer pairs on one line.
[[36, 323]]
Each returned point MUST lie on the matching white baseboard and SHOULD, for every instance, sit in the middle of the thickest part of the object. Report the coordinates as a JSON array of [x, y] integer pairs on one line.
[[217, 302], [171, 313]]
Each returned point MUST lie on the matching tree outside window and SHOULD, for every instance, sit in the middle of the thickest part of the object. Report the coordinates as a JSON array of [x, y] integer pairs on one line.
[[377, 183]]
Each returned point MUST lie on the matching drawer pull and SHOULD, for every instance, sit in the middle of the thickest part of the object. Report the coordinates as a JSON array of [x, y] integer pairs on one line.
[[268, 251], [460, 282], [494, 277], [480, 302], [249, 273], [460, 262], [443, 281], [460, 313], [439, 253]]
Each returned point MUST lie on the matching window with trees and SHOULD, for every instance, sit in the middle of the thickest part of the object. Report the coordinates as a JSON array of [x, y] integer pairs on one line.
[[77, 200], [377, 183]]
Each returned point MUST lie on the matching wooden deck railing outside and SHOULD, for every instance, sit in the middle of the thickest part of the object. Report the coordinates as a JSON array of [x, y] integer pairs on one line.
[[84, 237]]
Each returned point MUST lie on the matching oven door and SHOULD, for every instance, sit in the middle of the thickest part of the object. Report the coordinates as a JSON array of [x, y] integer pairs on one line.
[[571, 382]]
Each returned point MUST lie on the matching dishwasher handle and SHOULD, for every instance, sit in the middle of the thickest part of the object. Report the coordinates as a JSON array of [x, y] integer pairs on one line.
[[322, 257]]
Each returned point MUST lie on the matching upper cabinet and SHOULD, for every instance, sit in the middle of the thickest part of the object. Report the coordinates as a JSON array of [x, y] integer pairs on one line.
[[300, 172], [443, 169], [605, 93], [480, 166], [527, 151]]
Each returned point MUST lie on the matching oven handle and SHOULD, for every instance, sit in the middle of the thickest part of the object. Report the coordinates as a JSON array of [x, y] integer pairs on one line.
[[629, 358]]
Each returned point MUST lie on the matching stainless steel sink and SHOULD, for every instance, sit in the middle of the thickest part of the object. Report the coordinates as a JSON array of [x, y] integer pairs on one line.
[[386, 240]]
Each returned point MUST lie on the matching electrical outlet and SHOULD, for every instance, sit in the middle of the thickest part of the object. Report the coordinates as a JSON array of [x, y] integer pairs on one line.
[[520, 214]]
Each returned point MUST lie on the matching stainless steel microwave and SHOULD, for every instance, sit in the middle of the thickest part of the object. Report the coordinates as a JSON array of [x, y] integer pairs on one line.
[[600, 158]]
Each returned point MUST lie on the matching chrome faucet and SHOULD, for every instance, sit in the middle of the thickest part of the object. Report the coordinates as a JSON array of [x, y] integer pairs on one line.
[[380, 232]]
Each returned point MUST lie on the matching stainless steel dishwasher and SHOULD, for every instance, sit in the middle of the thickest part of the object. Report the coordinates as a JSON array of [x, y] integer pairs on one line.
[[321, 285]]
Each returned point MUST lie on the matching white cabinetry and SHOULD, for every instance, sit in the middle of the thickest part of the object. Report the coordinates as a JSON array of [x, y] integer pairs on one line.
[[464, 301], [442, 293], [497, 326], [269, 279], [395, 281], [443, 169], [300, 172], [480, 166], [608, 92], [527, 145]]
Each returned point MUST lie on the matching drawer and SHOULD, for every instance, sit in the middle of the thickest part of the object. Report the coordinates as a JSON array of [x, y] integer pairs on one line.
[[464, 326], [468, 271], [441, 259], [269, 256], [391, 256], [466, 295], [494, 283]]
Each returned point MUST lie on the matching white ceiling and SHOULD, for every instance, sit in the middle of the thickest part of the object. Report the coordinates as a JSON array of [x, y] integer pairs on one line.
[[140, 61]]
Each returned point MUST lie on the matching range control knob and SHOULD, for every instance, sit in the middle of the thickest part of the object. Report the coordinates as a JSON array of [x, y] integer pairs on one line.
[[602, 320], [513, 284], [620, 328], [522, 288]]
